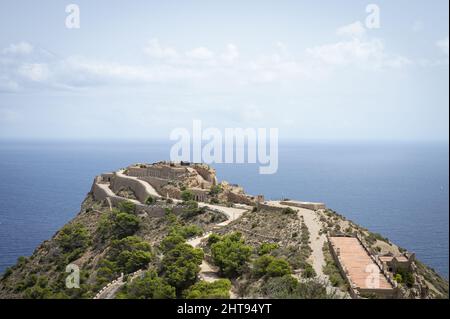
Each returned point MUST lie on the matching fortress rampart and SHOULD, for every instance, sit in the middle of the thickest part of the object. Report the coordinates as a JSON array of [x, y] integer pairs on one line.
[[119, 182], [206, 173], [101, 191], [159, 171]]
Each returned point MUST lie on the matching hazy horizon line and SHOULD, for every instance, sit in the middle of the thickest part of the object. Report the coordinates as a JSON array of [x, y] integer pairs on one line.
[[168, 141]]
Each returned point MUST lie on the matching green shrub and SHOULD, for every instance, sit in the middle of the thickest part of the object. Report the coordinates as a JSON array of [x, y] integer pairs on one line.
[[37, 292], [187, 195], [260, 265], [118, 224], [22, 260], [130, 261], [271, 266], [150, 200], [215, 190], [149, 286], [398, 278], [335, 279], [213, 238], [267, 248], [280, 287], [191, 204], [331, 270], [190, 231], [169, 242], [180, 265], [125, 255], [191, 209], [308, 271], [106, 273], [7, 273], [278, 268], [407, 277], [124, 224], [287, 287], [127, 207], [231, 254], [73, 239], [219, 289], [288, 211], [186, 231]]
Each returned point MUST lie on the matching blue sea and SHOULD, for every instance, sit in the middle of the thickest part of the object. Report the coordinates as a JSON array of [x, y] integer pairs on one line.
[[400, 190]]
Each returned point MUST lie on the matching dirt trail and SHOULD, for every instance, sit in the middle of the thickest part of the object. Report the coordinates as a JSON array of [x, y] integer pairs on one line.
[[317, 240]]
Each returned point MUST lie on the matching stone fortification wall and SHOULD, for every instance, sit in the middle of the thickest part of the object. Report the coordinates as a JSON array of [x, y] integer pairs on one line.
[[164, 172], [119, 182], [156, 182], [101, 192], [207, 174], [239, 198], [269, 207]]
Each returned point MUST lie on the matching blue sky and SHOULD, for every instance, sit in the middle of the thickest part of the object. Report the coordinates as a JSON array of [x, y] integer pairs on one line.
[[138, 70]]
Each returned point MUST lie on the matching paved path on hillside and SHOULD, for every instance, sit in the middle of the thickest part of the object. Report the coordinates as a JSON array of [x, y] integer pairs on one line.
[[314, 226], [110, 291], [208, 272], [231, 212]]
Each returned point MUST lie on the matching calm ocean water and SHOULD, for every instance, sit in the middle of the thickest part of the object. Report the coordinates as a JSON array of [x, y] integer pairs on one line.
[[398, 190]]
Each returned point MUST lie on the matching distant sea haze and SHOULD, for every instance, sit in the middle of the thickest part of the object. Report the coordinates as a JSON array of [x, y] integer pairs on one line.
[[400, 190]]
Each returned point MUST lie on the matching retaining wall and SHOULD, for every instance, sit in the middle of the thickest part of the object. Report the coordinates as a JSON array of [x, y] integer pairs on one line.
[[307, 205], [269, 207]]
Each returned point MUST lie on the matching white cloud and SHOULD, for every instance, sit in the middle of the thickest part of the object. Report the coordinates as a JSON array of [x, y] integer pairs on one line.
[[21, 48], [231, 54], [200, 67], [155, 50], [200, 53], [358, 51], [443, 46], [354, 30], [34, 71]]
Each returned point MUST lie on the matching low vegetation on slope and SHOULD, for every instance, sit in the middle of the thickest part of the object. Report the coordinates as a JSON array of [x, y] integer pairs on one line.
[[262, 254], [104, 244]]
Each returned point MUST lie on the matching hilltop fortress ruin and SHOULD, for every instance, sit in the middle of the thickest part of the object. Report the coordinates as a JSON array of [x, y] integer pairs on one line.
[[358, 263], [168, 180]]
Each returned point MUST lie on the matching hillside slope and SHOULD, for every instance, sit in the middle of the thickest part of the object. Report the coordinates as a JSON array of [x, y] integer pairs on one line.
[[199, 250]]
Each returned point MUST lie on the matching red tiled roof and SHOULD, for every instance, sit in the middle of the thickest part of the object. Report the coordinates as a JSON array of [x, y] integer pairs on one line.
[[358, 263]]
